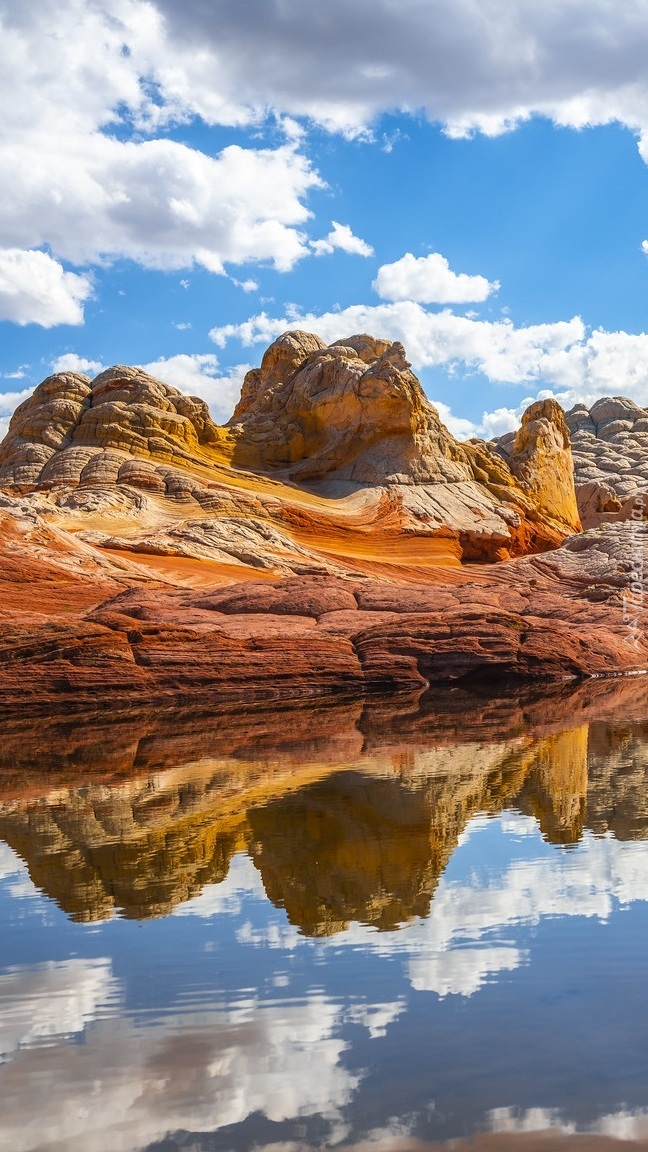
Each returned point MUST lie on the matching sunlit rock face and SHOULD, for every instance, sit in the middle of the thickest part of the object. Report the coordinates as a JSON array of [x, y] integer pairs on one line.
[[321, 542], [127, 449], [73, 430], [351, 411], [541, 461], [609, 444], [354, 411]]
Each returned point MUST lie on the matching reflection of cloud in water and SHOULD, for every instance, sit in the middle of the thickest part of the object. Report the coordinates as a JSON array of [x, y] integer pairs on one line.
[[376, 1018], [460, 970], [51, 1001], [448, 953], [242, 882], [198, 1072], [620, 1125], [455, 950], [14, 876], [10, 862], [206, 1069]]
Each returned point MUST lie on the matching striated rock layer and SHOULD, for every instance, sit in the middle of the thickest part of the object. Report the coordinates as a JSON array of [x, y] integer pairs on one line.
[[334, 461], [565, 614], [321, 542]]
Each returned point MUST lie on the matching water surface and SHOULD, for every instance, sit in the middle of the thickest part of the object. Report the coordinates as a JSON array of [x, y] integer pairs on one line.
[[384, 925]]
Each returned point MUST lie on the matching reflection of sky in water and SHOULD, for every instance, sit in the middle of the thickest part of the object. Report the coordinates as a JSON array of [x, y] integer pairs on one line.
[[518, 1003]]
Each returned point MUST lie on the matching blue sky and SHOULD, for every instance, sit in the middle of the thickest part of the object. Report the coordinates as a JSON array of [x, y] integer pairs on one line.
[[180, 182]]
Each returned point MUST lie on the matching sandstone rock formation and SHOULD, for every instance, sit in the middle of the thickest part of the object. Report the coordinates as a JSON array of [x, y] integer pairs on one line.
[[334, 459], [317, 544], [73, 431], [353, 411], [574, 612], [610, 451], [541, 461]]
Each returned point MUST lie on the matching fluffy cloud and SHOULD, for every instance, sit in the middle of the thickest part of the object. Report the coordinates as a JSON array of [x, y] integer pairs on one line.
[[70, 362], [605, 364], [67, 182], [571, 363], [577, 63], [430, 280], [35, 289], [79, 174], [470, 934], [248, 285], [157, 201], [343, 238], [497, 348]]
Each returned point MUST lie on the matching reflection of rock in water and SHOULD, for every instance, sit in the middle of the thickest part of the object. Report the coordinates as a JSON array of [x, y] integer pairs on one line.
[[367, 844], [100, 849], [555, 790], [355, 822], [358, 847], [347, 848], [617, 798]]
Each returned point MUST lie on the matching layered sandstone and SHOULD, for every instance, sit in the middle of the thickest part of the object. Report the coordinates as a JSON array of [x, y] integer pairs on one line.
[[570, 613], [609, 443], [334, 461], [319, 543]]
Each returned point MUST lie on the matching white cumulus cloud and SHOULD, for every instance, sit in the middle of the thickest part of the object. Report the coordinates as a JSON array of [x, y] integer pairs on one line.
[[78, 173], [341, 237], [497, 348], [464, 64], [158, 202], [71, 362], [36, 289], [89, 91], [430, 280]]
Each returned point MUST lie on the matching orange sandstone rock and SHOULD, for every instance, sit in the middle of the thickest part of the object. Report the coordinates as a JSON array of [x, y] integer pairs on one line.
[[334, 461], [318, 544]]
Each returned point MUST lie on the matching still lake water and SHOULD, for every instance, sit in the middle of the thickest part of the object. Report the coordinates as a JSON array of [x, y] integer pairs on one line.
[[392, 926]]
